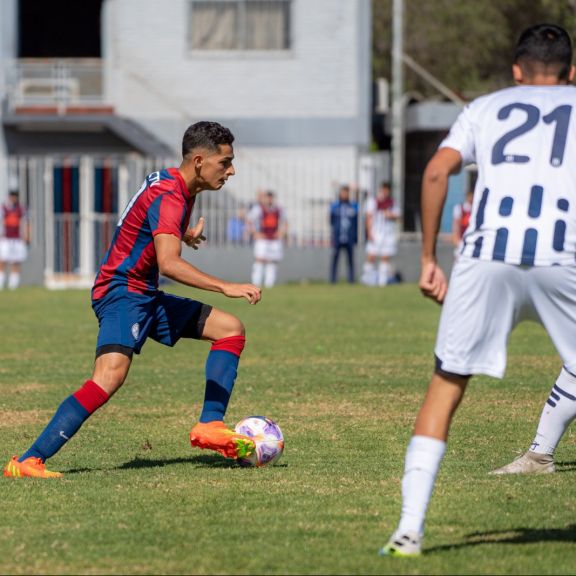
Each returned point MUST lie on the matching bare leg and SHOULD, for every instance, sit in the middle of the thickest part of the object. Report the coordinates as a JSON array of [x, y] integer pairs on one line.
[[443, 397], [14, 276], [423, 457]]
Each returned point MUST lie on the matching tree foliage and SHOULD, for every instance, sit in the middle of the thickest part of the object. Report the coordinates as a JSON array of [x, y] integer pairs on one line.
[[467, 45]]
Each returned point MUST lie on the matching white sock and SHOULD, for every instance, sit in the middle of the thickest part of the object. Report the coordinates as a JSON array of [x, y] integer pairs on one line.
[[270, 274], [369, 274], [558, 412], [14, 280], [423, 458], [2, 279], [383, 273], [257, 273]]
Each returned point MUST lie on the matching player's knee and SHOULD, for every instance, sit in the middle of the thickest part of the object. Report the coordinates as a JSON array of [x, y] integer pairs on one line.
[[222, 325], [231, 326], [236, 327]]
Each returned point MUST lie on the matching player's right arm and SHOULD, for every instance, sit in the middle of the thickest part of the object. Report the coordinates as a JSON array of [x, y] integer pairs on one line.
[[446, 161], [172, 265], [370, 209]]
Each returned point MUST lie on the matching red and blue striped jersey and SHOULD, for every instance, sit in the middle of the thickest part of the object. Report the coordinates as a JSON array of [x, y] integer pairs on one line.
[[163, 205], [13, 214]]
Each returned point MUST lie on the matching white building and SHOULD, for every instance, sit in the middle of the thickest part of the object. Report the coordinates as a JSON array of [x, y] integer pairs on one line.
[[97, 92]]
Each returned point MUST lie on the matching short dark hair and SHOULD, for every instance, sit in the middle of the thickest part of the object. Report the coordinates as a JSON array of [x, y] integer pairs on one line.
[[209, 135], [544, 47]]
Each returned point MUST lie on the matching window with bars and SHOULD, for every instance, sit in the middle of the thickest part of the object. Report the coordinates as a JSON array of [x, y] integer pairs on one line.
[[239, 25]]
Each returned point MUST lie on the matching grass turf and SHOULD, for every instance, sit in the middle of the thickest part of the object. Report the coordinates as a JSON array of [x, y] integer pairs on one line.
[[343, 370]]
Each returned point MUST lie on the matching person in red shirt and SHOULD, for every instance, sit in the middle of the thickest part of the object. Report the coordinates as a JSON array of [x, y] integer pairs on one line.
[[268, 228], [14, 240], [460, 220], [131, 309]]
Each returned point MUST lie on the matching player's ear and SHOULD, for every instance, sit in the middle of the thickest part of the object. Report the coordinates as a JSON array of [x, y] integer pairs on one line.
[[517, 74], [571, 74], [197, 161]]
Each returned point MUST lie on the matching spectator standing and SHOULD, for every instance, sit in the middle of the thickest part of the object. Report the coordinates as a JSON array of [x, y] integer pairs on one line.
[[236, 229], [14, 240], [344, 225], [268, 229], [460, 220], [382, 240]]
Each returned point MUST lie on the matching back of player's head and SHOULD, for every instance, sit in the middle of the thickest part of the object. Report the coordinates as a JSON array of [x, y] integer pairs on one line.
[[208, 135], [544, 49]]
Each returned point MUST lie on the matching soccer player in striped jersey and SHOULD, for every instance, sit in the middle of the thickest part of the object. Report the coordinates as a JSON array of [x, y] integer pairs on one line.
[[518, 259], [130, 308]]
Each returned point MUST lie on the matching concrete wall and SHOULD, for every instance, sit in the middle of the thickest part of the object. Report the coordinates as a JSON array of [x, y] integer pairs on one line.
[[315, 93], [299, 265]]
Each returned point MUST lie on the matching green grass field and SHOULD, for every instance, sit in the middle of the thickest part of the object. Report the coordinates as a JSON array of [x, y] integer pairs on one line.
[[342, 370]]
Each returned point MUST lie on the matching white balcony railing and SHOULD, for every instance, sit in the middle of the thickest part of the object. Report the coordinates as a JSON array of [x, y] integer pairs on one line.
[[59, 84]]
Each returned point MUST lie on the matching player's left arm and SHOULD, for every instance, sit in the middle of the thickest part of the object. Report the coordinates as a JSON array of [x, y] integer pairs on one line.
[[445, 162], [26, 231], [193, 237], [283, 227], [25, 227], [171, 264]]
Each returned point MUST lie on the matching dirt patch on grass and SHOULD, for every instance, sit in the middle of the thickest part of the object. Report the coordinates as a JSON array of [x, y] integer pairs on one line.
[[22, 388], [10, 418]]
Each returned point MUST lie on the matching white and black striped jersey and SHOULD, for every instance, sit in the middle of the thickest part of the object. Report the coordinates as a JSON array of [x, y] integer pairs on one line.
[[523, 141]]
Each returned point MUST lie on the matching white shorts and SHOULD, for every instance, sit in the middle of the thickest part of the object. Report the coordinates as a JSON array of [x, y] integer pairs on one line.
[[13, 250], [385, 245], [486, 301], [270, 250]]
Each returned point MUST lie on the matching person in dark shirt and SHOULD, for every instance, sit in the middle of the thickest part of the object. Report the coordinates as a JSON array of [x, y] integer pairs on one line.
[[344, 224]]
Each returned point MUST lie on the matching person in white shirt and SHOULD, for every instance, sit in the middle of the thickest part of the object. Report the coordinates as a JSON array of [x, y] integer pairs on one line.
[[518, 259]]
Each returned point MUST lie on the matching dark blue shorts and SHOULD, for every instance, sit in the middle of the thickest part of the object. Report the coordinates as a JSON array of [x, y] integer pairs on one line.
[[128, 319]]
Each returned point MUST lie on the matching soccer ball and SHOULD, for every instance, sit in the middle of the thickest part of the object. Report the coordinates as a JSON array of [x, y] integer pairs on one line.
[[267, 437]]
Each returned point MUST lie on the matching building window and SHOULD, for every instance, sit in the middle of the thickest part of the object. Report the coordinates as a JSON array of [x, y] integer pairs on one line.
[[240, 24]]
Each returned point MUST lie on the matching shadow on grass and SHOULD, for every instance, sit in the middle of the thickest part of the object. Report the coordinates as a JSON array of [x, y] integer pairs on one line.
[[203, 460], [566, 466], [211, 460], [513, 536]]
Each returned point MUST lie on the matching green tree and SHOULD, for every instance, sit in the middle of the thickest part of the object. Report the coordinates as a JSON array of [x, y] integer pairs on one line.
[[466, 45]]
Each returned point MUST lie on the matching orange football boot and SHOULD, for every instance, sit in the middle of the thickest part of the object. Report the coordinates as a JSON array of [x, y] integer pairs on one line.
[[30, 468], [216, 436]]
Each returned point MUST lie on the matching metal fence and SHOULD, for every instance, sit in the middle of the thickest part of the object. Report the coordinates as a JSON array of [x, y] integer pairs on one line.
[[74, 202], [54, 83]]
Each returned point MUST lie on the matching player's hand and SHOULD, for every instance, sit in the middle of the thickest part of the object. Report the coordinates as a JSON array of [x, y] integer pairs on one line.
[[252, 293], [433, 282], [193, 236]]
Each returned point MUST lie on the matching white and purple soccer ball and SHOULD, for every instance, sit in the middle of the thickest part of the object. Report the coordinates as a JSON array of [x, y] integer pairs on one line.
[[268, 438]]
